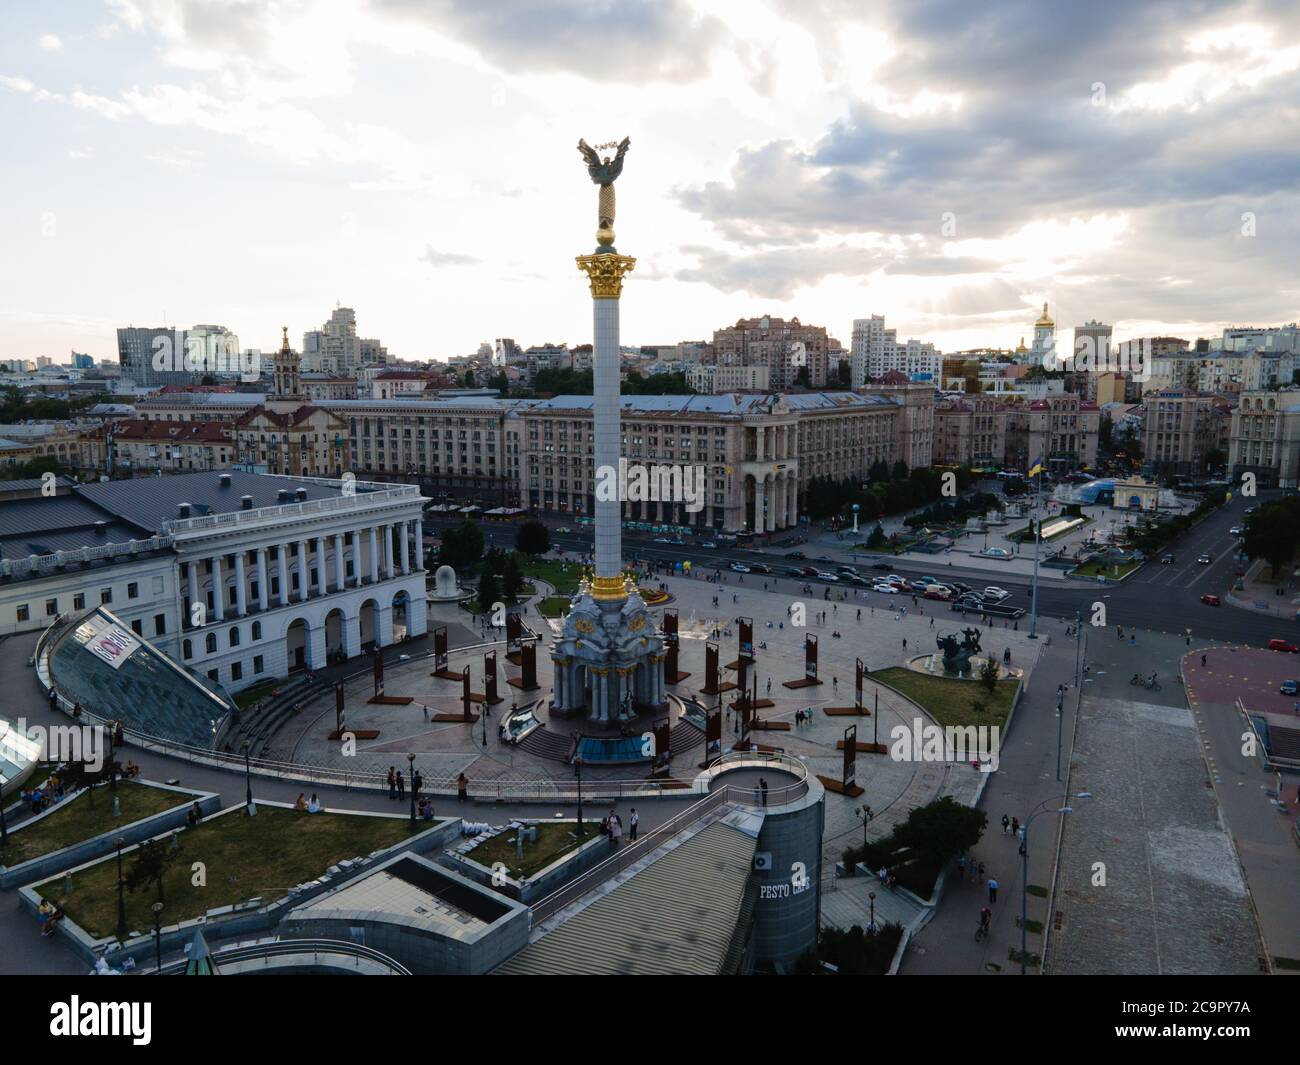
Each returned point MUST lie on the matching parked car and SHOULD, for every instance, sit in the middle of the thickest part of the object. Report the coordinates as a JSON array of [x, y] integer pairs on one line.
[[1204, 558], [996, 594], [1210, 600], [998, 552], [884, 588], [1282, 645], [925, 580], [1289, 687], [938, 591]]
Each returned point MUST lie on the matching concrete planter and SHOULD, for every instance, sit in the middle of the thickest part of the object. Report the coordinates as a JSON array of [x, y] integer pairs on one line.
[[542, 883], [90, 850], [248, 918]]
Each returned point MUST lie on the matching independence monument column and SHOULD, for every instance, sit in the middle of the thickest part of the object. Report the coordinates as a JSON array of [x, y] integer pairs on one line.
[[605, 270]]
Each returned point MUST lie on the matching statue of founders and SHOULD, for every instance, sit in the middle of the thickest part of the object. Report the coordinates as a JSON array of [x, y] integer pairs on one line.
[[604, 172], [957, 655]]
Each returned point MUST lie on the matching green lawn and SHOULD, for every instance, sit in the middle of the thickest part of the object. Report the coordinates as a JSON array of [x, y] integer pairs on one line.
[[949, 701], [74, 820], [563, 576], [553, 840], [1098, 568], [249, 696], [243, 856], [553, 606]]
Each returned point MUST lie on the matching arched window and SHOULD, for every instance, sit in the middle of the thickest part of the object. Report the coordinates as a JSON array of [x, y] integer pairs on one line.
[[234, 636], [210, 642], [257, 630], [187, 649]]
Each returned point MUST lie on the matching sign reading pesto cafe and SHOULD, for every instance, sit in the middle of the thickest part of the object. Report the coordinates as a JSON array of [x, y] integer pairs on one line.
[[109, 641]]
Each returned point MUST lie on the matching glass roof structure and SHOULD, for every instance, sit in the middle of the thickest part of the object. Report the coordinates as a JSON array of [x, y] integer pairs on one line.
[[18, 755], [115, 674]]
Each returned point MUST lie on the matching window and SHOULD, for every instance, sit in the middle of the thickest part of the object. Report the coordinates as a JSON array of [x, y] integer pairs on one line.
[[210, 643], [236, 671], [136, 627], [214, 676], [79, 601], [187, 649], [258, 664], [51, 607], [234, 636], [160, 624], [257, 630], [133, 590], [24, 614], [106, 595]]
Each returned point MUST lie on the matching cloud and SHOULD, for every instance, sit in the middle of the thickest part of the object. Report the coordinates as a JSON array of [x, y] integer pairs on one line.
[[438, 259], [635, 41], [50, 42]]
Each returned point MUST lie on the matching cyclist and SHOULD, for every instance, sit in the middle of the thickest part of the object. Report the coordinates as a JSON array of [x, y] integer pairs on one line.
[[986, 915]]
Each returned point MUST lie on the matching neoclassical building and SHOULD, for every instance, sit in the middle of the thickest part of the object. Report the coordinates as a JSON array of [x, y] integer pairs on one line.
[[238, 576]]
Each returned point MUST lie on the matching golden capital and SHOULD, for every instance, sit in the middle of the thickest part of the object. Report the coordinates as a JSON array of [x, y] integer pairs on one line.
[[605, 272], [608, 588]]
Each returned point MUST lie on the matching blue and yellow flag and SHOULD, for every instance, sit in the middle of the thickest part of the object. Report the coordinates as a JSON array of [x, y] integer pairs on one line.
[[1037, 467]]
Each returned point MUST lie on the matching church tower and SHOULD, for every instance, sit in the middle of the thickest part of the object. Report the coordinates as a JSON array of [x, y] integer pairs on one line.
[[1043, 352], [286, 371]]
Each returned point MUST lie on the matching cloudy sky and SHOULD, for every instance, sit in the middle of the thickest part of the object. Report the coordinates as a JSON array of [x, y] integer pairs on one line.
[[945, 163]]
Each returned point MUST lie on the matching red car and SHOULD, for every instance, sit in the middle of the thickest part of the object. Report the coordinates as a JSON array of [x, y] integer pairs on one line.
[[1210, 600], [1282, 645]]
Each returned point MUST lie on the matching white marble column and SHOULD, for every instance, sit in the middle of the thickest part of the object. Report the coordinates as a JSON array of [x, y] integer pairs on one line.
[[419, 544], [404, 547], [355, 536], [339, 568], [792, 514], [263, 590], [193, 577], [302, 571], [218, 590], [374, 556], [388, 551], [320, 566], [241, 585], [282, 558]]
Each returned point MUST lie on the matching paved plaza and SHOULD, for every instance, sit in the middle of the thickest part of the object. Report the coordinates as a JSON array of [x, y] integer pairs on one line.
[[892, 788]]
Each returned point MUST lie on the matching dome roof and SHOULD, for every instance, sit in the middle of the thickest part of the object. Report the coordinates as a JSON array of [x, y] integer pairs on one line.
[[1045, 322]]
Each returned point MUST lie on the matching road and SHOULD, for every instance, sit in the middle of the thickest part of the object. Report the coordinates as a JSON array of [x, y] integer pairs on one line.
[[1158, 598]]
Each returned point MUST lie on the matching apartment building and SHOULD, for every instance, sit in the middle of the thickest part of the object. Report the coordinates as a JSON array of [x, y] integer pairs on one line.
[[1265, 437], [1179, 430]]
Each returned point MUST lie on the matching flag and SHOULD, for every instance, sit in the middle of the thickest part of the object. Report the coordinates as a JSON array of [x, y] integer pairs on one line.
[[1037, 467]]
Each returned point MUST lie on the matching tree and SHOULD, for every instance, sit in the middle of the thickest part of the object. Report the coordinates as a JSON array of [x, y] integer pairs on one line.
[[877, 537], [1273, 531], [941, 830], [489, 589], [532, 538], [153, 858], [803, 378], [461, 546], [500, 382], [989, 674], [469, 379], [513, 581]]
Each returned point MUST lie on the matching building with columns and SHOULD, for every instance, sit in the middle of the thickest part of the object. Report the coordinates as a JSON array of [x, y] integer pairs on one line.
[[236, 576]]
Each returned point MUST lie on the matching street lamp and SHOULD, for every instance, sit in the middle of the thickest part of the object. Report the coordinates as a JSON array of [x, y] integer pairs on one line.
[[865, 813], [871, 925], [121, 897], [1024, 864], [410, 770], [248, 780], [157, 908], [4, 829], [577, 772]]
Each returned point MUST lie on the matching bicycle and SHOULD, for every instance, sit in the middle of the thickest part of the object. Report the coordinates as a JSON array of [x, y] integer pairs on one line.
[[981, 933]]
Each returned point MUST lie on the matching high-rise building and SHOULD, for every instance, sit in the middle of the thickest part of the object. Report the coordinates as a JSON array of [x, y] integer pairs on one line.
[[876, 352], [335, 347], [151, 355], [784, 347]]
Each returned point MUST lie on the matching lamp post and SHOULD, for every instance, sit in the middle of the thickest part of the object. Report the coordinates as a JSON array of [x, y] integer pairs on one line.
[[410, 776], [121, 885], [871, 926], [1036, 527], [248, 780], [157, 908], [1024, 865], [577, 772], [865, 813], [4, 829]]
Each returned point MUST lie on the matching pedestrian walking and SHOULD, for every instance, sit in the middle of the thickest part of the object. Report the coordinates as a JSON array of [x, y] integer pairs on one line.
[[632, 821], [615, 831], [1132, 639], [961, 867], [993, 890], [904, 643], [981, 872], [1006, 824], [462, 788], [1015, 826], [762, 787], [392, 783], [1202, 661]]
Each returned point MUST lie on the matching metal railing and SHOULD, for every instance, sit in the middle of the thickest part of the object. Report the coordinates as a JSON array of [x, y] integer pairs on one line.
[[727, 794], [21, 567], [333, 948], [365, 499]]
